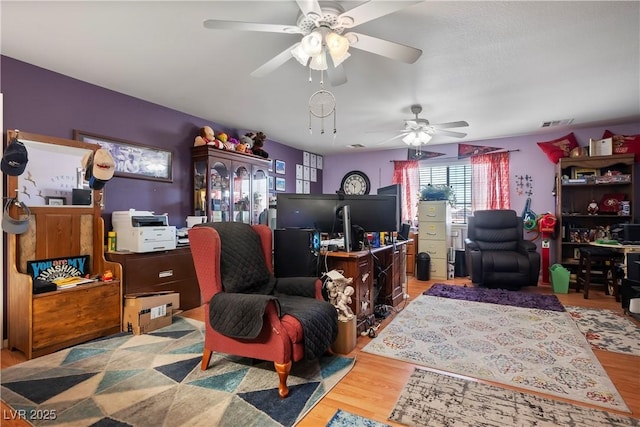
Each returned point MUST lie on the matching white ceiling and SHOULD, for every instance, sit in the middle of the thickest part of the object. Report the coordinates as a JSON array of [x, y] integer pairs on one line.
[[504, 67]]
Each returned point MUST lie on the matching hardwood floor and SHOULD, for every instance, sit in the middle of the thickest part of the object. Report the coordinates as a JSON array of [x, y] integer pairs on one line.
[[374, 384]]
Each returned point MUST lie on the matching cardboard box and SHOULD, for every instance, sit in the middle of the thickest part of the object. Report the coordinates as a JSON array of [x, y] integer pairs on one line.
[[145, 312]]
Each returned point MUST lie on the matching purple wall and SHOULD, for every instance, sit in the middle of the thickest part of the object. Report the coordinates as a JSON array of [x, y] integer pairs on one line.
[[528, 160], [40, 101]]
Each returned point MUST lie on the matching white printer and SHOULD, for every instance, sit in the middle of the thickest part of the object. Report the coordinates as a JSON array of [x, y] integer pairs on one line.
[[142, 231]]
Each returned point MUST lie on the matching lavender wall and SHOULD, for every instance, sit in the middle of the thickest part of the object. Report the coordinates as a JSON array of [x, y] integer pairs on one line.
[[40, 101], [528, 160]]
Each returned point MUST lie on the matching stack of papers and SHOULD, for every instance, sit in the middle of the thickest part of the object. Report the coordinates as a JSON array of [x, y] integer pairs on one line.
[[70, 282]]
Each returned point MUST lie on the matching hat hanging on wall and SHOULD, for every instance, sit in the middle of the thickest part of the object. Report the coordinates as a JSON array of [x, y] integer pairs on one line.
[[12, 225], [99, 168], [15, 158]]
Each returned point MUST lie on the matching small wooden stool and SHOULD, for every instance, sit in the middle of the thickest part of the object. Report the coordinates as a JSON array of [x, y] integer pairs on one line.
[[593, 255]]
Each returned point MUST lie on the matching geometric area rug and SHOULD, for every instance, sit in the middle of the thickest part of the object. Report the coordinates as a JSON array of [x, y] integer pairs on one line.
[[433, 399], [155, 379], [532, 349]]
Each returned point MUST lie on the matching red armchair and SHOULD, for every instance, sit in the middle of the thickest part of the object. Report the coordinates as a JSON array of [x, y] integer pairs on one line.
[[230, 260]]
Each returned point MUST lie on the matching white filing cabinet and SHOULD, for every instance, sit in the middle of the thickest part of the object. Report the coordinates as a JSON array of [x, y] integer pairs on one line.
[[434, 229]]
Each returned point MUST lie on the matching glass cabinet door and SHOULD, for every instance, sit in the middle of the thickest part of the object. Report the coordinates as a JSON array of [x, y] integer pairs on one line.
[[241, 194], [200, 188], [260, 205], [219, 204]]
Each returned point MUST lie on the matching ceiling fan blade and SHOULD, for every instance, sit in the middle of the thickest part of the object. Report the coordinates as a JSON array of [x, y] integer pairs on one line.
[[392, 50], [309, 6], [450, 133], [369, 11], [337, 75], [214, 24], [274, 62], [459, 124]]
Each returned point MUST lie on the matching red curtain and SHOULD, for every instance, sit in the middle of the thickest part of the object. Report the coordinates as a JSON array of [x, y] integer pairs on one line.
[[490, 181], [405, 172]]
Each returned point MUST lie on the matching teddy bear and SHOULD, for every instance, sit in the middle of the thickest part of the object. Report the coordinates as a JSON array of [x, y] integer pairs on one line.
[[206, 136], [245, 144]]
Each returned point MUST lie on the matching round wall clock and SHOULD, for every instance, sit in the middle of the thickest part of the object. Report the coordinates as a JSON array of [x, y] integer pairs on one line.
[[355, 182]]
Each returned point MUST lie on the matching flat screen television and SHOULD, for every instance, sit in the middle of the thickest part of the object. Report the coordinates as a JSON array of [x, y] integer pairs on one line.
[[323, 212]]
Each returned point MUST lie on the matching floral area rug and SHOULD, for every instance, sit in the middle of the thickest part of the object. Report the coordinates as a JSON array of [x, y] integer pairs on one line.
[[432, 399], [155, 380], [496, 296], [540, 350], [347, 419], [607, 330]]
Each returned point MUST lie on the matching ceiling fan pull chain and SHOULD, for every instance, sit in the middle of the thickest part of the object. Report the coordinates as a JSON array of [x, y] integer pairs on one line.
[[334, 121], [310, 131]]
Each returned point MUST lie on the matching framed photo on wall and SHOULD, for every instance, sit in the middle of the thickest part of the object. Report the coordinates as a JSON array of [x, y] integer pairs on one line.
[[280, 167], [133, 160], [280, 184]]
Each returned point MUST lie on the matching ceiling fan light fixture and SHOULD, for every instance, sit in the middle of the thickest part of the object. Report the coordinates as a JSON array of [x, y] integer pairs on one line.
[[337, 60], [417, 138], [312, 43], [337, 44], [319, 61], [300, 55]]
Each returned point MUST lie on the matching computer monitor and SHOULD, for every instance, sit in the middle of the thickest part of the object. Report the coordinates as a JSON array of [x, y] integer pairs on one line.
[[631, 232], [323, 212], [396, 191]]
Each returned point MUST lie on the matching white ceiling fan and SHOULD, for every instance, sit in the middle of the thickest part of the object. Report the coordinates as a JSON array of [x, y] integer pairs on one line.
[[322, 26], [419, 131]]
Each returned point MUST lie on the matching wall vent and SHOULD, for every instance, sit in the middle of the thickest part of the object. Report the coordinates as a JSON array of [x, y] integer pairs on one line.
[[553, 123]]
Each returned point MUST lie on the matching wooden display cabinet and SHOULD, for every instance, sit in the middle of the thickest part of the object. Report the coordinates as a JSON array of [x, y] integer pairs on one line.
[[229, 186], [39, 324], [577, 226]]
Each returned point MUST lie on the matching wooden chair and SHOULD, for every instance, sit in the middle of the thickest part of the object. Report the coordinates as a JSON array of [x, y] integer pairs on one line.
[[605, 260]]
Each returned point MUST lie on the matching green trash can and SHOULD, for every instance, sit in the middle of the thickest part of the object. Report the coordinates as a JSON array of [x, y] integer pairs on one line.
[[559, 279]]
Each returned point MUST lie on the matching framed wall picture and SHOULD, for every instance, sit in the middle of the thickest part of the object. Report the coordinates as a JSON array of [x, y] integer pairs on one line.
[[280, 184], [280, 167], [133, 160], [55, 201]]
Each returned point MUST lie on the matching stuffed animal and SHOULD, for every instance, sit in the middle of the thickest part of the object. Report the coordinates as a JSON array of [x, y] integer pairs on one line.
[[224, 138], [245, 142], [206, 136], [258, 143]]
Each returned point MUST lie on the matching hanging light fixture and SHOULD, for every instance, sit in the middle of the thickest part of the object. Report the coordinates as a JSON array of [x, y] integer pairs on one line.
[[312, 50], [417, 138]]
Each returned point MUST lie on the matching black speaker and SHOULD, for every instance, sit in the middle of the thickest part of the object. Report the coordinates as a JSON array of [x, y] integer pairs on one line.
[[296, 252], [633, 266]]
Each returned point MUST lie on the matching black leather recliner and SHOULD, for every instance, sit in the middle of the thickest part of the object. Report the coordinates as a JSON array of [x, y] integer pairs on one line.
[[496, 254]]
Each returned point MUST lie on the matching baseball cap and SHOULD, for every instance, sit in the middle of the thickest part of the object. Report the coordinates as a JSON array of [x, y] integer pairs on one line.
[[99, 168], [12, 225], [14, 159]]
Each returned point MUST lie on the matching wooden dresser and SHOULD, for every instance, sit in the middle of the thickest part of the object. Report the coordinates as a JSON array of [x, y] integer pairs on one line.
[[160, 271]]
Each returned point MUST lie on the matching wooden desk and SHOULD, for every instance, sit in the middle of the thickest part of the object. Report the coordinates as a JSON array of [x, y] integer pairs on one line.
[[360, 266], [625, 249]]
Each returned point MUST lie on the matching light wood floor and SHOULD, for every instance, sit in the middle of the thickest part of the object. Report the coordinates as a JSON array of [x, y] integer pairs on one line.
[[374, 384]]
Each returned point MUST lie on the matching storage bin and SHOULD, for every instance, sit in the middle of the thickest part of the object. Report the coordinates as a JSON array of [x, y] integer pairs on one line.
[[559, 279]]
